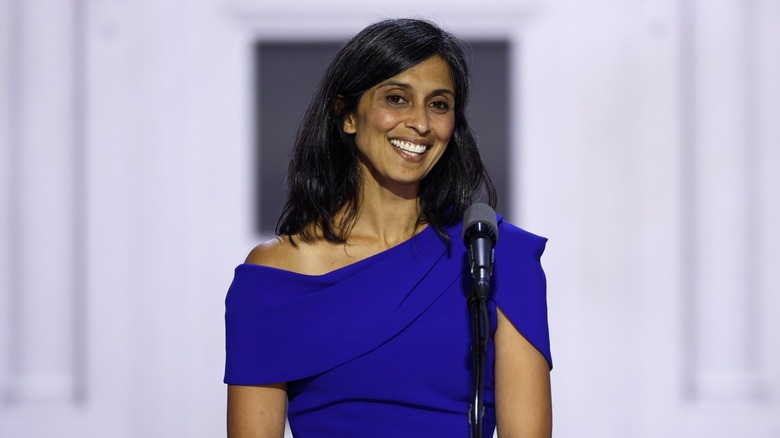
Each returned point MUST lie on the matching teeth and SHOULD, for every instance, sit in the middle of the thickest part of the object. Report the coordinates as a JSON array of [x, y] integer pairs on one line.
[[409, 147]]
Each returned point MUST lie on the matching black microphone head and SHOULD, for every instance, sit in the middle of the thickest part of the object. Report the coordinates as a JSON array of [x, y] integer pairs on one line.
[[479, 218]]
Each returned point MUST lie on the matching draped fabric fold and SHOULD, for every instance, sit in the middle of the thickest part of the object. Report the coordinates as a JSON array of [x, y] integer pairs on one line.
[[284, 326], [386, 336]]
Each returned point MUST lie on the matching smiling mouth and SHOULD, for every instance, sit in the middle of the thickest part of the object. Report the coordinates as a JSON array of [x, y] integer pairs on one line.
[[409, 148]]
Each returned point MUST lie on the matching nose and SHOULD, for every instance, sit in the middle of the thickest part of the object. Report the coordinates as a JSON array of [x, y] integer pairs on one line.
[[418, 120]]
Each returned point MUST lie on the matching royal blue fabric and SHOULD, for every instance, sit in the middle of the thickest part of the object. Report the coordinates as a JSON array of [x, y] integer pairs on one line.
[[381, 347]]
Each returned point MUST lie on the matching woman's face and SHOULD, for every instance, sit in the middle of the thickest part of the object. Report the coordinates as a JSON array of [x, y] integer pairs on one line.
[[402, 125]]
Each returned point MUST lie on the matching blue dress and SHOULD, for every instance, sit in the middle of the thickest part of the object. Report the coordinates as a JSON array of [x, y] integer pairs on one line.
[[380, 348]]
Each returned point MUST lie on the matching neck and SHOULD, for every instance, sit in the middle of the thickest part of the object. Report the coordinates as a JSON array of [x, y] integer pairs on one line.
[[384, 217]]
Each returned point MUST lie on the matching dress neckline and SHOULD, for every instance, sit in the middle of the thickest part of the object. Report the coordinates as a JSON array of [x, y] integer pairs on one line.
[[346, 269]]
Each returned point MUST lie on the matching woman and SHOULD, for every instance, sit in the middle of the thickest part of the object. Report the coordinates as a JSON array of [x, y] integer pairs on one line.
[[353, 322]]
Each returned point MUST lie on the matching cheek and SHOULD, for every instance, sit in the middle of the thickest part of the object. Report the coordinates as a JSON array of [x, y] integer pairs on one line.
[[444, 133], [383, 120], [445, 128]]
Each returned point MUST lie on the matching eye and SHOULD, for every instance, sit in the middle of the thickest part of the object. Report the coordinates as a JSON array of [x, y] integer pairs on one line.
[[441, 106], [395, 99]]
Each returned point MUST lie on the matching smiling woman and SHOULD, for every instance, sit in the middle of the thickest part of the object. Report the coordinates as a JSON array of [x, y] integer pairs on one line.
[[325, 178], [383, 167], [402, 127]]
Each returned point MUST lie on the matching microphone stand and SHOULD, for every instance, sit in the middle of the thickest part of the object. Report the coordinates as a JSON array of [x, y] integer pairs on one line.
[[479, 338], [479, 234]]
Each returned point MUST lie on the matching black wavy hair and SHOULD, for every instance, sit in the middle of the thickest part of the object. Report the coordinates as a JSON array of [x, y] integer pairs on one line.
[[324, 177]]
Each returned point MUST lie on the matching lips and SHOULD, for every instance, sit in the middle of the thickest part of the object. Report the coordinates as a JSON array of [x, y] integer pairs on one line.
[[409, 148]]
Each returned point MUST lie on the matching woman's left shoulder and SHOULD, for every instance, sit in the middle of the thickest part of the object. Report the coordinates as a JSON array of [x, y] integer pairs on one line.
[[508, 232]]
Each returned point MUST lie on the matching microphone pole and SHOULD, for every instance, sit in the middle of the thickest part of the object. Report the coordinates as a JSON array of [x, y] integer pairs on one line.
[[480, 232]]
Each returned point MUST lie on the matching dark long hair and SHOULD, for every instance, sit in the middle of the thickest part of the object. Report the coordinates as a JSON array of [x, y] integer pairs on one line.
[[324, 177]]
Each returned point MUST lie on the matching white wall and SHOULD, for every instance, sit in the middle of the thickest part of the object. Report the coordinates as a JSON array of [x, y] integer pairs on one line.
[[645, 146]]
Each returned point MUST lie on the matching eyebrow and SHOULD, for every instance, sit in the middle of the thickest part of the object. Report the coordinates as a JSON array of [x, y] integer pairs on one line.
[[406, 86]]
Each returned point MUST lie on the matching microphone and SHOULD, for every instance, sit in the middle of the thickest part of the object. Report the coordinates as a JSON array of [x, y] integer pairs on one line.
[[480, 232]]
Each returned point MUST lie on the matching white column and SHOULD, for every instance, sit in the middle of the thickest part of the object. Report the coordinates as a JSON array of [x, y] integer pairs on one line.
[[6, 195], [42, 254], [722, 165], [767, 59]]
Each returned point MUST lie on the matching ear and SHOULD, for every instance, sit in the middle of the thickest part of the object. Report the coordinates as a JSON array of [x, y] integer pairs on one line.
[[348, 124]]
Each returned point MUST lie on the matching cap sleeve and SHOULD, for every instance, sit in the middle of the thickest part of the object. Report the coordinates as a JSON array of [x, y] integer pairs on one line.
[[521, 286]]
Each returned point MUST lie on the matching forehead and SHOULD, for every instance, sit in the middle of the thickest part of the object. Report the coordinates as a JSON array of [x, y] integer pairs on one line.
[[433, 72]]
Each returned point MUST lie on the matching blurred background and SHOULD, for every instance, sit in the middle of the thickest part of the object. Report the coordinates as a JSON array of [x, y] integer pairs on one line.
[[136, 169]]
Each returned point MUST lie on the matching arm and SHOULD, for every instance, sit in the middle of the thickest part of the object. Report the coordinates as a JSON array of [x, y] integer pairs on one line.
[[256, 411], [523, 400], [259, 411]]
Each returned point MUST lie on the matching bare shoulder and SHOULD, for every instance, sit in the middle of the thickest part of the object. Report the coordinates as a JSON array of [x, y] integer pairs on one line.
[[270, 253], [315, 257], [300, 257]]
